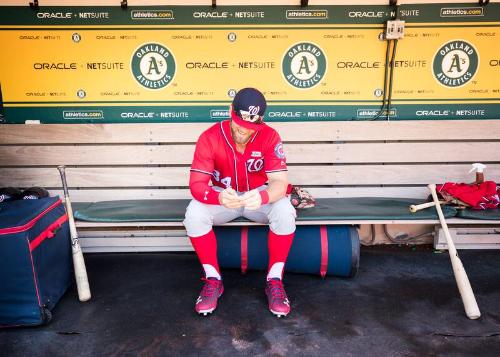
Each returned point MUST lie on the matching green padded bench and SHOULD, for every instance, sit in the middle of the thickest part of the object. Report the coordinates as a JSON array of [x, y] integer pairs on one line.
[[489, 214], [327, 211]]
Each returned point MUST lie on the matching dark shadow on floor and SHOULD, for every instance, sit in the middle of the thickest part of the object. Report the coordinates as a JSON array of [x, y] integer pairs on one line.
[[403, 302]]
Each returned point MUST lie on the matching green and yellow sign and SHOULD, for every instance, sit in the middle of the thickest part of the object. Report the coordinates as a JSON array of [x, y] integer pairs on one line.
[[182, 64]]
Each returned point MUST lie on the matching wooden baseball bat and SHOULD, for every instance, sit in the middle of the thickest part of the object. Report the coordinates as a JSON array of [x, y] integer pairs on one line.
[[82, 281], [464, 287], [415, 208]]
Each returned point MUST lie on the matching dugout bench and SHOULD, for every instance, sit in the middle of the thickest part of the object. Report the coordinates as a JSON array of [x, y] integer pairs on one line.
[[362, 173]]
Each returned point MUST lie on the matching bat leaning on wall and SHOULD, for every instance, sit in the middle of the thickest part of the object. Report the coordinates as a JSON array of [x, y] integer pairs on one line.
[[82, 281]]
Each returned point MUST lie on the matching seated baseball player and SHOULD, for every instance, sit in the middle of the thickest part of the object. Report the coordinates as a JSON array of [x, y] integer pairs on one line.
[[244, 160]]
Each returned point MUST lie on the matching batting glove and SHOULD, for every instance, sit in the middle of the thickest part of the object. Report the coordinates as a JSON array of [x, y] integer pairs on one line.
[[252, 199], [229, 199]]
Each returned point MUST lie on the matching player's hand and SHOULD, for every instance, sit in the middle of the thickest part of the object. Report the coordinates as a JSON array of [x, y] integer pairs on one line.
[[252, 200], [230, 199]]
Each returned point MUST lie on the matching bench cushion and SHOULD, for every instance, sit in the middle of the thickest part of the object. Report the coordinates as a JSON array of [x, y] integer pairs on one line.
[[369, 208], [490, 214], [172, 210], [80, 206]]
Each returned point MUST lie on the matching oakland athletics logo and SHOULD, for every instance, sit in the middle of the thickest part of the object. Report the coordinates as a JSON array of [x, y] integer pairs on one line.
[[304, 65], [153, 66], [455, 63]]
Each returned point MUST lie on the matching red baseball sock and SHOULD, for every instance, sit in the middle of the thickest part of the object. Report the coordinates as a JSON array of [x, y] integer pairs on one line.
[[279, 246], [206, 249]]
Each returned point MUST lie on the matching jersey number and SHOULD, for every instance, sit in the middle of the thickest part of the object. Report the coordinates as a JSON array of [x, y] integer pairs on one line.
[[226, 181], [254, 165]]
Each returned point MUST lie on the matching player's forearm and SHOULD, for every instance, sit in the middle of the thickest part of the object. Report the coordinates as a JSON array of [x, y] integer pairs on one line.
[[205, 194], [276, 190], [200, 189]]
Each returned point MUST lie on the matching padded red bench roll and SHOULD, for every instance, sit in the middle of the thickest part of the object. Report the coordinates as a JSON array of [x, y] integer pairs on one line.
[[316, 249]]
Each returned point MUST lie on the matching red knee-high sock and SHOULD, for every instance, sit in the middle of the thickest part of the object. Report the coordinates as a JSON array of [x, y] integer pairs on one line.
[[279, 246], [205, 247]]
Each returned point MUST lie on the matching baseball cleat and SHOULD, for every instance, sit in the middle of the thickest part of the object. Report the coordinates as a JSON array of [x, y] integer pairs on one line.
[[210, 293], [278, 302]]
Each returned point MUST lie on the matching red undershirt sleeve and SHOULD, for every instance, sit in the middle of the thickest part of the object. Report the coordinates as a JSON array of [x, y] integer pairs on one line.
[[201, 190], [201, 172]]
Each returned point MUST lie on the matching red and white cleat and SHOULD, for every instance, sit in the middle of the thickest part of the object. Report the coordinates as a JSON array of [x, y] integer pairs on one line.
[[210, 293], [279, 304]]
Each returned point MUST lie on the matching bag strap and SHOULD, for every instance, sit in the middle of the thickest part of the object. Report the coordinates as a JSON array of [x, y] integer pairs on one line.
[[323, 232], [244, 249]]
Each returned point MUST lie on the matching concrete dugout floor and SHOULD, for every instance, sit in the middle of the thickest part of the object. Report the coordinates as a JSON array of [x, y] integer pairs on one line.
[[403, 302]]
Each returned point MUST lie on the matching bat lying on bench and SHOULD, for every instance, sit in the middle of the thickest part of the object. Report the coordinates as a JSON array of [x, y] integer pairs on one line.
[[415, 208], [447, 200]]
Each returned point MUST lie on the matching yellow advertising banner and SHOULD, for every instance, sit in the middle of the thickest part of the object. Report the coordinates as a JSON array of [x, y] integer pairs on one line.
[[332, 71]]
